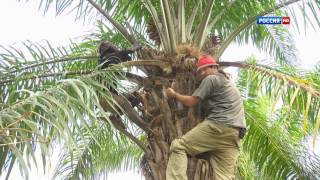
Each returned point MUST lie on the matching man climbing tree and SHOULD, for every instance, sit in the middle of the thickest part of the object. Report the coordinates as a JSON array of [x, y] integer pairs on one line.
[[219, 133]]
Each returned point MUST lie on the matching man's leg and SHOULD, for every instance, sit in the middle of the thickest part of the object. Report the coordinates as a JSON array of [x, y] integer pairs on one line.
[[224, 163], [177, 164], [224, 158], [201, 138]]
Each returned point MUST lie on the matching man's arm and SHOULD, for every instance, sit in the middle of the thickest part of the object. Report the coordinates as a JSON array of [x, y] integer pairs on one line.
[[189, 101]]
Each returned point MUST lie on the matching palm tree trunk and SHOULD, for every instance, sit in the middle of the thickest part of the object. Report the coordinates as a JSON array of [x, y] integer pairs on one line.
[[171, 120]]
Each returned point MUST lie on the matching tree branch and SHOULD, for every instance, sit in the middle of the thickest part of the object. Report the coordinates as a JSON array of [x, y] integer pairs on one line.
[[129, 135], [51, 62], [274, 73], [191, 20], [132, 114], [217, 17], [65, 73], [135, 78], [202, 28], [160, 28], [171, 30], [127, 109], [182, 21], [116, 24], [146, 63]]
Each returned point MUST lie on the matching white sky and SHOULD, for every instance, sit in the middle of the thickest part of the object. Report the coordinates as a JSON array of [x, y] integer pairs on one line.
[[20, 22], [23, 21]]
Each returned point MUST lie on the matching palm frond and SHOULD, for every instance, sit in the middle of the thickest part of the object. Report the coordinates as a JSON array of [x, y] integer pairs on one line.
[[285, 44], [276, 153], [157, 22], [37, 117], [203, 25], [285, 87], [36, 55], [117, 13], [115, 23], [306, 11], [169, 24], [112, 152], [242, 28], [246, 167], [41, 66], [238, 14], [275, 40]]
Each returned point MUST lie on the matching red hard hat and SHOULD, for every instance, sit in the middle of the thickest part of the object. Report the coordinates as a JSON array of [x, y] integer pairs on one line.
[[205, 61]]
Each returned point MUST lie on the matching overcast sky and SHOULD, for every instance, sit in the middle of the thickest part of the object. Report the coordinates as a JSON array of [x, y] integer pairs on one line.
[[21, 22]]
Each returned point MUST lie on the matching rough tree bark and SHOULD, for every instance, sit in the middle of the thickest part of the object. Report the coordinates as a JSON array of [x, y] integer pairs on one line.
[[170, 120]]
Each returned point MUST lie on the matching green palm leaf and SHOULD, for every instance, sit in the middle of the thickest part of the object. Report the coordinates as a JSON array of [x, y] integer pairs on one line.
[[32, 118], [112, 152], [275, 149]]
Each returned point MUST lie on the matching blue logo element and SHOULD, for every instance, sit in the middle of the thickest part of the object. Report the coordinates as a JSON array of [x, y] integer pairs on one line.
[[269, 20]]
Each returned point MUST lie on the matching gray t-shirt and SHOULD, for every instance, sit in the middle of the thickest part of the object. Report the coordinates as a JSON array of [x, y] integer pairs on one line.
[[221, 100]]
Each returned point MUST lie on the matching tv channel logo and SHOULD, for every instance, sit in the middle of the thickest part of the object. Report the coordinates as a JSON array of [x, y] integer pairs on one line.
[[273, 20]]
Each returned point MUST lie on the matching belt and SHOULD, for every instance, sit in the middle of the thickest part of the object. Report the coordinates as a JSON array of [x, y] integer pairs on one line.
[[242, 131]]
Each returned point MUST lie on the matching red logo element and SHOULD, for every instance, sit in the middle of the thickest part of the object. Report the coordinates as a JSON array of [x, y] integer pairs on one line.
[[285, 20]]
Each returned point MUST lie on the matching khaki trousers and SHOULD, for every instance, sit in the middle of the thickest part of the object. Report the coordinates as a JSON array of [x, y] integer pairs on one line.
[[221, 141]]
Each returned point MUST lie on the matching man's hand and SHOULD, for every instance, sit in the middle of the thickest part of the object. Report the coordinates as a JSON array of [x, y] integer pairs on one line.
[[170, 92], [189, 101]]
